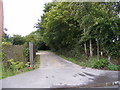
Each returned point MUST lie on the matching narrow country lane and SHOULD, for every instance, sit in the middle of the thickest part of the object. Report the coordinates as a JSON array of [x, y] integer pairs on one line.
[[55, 70]]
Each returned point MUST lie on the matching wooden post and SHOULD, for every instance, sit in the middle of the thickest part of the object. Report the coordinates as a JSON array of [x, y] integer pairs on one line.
[[1, 32], [31, 53], [1, 19]]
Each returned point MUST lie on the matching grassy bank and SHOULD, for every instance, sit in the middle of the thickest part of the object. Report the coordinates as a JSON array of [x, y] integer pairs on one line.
[[10, 72], [93, 63], [0, 71]]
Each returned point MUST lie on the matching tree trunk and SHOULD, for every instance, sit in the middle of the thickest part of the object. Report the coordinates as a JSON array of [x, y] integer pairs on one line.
[[101, 53], [85, 46], [109, 59], [98, 55], [91, 53]]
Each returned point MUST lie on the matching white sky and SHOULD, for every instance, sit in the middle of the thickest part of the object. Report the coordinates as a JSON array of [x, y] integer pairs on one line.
[[20, 16]]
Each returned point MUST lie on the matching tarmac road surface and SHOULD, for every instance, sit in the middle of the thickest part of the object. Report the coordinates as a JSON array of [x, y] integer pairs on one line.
[[56, 71]]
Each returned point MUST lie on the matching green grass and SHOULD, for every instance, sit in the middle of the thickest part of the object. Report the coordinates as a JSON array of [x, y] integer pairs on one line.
[[93, 63], [37, 62], [8, 72], [0, 71], [73, 60]]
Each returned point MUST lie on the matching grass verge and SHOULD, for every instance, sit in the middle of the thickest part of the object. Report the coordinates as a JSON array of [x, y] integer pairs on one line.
[[93, 63], [0, 71]]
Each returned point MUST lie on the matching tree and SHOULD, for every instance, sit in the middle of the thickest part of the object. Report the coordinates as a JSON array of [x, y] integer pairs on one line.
[[70, 25], [109, 33], [36, 39], [55, 22], [17, 40]]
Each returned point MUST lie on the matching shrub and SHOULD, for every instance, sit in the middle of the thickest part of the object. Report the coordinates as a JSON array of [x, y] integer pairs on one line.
[[6, 44], [89, 63], [113, 67], [15, 66], [101, 64]]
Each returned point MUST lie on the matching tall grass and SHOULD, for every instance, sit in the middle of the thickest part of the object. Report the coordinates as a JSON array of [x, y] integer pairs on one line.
[[93, 63]]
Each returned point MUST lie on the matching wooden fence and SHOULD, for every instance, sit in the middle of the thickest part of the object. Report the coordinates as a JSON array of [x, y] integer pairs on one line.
[[16, 52]]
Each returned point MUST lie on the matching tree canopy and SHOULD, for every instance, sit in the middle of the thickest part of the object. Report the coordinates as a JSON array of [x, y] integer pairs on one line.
[[73, 24]]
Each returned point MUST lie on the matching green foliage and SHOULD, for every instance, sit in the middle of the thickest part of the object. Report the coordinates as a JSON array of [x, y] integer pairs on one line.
[[3, 56], [36, 62], [6, 73], [32, 37], [16, 65], [0, 71], [48, 6], [113, 67], [101, 64], [108, 32], [26, 51], [67, 24], [5, 44], [69, 59], [69, 27], [36, 39], [93, 63], [56, 22], [89, 63], [14, 68], [27, 64], [17, 40]]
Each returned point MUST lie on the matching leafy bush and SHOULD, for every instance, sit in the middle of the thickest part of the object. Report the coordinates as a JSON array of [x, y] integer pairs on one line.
[[93, 62], [0, 71], [113, 67], [15, 66], [18, 40], [12, 66], [6, 44], [89, 63], [100, 64]]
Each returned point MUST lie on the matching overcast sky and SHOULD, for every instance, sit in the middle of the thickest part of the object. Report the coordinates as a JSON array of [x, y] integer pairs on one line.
[[20, 16]]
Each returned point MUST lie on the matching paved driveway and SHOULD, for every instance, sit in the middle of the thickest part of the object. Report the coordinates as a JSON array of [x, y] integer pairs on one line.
[[55, 70]]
